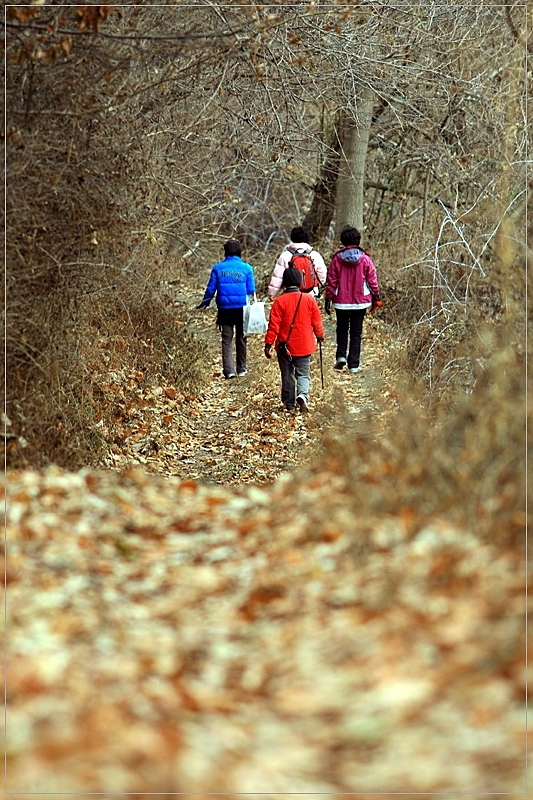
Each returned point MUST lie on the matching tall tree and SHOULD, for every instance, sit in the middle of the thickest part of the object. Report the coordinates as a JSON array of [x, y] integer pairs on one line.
[[352, 165]]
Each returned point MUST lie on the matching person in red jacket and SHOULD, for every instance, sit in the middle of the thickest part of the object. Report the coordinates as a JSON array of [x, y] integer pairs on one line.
[[294, 323], [352, 287]]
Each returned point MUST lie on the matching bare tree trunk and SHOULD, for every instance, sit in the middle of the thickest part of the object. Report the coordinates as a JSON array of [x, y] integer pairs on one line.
[[350, 186], [318, 218]]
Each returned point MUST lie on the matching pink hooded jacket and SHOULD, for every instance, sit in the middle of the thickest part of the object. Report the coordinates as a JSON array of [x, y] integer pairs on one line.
[[283, 262], [352, 279]]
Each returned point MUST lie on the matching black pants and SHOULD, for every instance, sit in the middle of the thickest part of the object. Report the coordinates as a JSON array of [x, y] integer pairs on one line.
[[349, 325]]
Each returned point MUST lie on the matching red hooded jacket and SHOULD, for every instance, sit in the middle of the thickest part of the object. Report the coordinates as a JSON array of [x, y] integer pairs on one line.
[[308, 321]]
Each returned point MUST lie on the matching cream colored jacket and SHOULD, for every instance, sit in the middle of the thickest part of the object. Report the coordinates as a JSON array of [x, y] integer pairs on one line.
[[283, 262]]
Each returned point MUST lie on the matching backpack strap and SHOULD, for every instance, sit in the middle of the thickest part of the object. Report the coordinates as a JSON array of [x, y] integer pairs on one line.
[[293, 319]]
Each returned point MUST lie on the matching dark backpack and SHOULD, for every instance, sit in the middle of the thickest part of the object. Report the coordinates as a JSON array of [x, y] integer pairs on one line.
[[304, 264]]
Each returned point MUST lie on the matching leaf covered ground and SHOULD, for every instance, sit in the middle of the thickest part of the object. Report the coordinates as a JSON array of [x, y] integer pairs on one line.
[[308, 628], [237, 431], [167, 636]]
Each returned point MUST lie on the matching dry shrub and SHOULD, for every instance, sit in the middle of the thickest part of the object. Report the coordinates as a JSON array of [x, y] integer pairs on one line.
[[449, 340], [464, 460], [445, 291], [127, 330], [144, 332]]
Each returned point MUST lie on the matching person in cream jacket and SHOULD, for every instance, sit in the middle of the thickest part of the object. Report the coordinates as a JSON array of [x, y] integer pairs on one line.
[[299, 244]]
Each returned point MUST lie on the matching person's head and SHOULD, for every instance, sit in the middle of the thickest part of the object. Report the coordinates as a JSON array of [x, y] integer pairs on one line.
[[300, 235], [350, 236], [232, 248], [291, 277]]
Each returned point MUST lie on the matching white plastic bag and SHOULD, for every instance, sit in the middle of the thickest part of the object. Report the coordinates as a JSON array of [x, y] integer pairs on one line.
[[254, 319]]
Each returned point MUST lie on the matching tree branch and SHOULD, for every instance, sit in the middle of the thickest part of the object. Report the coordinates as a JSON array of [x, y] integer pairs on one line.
[[517, 35]]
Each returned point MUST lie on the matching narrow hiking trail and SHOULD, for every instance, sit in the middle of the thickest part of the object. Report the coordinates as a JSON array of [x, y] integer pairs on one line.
[[237, 431]]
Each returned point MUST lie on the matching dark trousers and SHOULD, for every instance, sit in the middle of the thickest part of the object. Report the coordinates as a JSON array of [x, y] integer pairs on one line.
[[349, 325], [228, 362]]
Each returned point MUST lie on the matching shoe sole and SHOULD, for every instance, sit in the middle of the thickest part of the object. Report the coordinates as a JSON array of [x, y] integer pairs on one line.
[[304, 408], [340, 366]]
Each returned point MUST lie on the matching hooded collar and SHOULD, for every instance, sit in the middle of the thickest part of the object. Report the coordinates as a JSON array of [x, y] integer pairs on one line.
[[299, 247], [351, 254]]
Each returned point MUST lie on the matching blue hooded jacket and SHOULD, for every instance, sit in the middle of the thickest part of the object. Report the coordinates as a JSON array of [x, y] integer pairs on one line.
[[232, 280]]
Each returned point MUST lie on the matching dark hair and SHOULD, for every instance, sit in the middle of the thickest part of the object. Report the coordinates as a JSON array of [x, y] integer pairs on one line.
[[300, 234], [291, 277], [232, 248], [350, 236]]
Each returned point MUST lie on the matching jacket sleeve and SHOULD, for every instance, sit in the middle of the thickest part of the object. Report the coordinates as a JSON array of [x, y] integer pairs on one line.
[[320, 267], [316, 321], [371, 277], [333, 278], [250, 281], [212, 285], [274, 322], [277, 275]]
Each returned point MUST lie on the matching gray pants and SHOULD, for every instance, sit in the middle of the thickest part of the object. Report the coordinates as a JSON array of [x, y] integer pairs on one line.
[[295, 378], [228, 362]]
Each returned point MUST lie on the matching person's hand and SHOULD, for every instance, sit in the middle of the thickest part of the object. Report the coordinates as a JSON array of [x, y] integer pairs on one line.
[[204, 304], [327, 307], [320, 339], [268, 348], [376, 303]]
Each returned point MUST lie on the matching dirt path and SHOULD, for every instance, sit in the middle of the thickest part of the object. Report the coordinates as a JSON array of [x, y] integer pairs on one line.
[[237, 431]]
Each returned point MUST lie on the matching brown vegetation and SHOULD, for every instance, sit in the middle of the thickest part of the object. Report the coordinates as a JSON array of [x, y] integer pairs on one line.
[[325, 631], [355, 626], [139, 138]]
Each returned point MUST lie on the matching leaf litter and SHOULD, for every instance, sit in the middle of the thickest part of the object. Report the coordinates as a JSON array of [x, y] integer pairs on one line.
[[237, 431], [168, 633]]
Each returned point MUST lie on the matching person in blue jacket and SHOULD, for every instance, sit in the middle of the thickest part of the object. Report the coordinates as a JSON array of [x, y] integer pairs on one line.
[[232, 280]]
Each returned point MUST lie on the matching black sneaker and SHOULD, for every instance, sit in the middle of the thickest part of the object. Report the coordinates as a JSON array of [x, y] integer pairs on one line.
[[242, 373], [231, 375], [341, 363], [301, 401], [290, 408]]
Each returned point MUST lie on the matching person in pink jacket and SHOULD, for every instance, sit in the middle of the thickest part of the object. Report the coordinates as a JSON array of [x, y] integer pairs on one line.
[[352, 287], [299, 244]]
